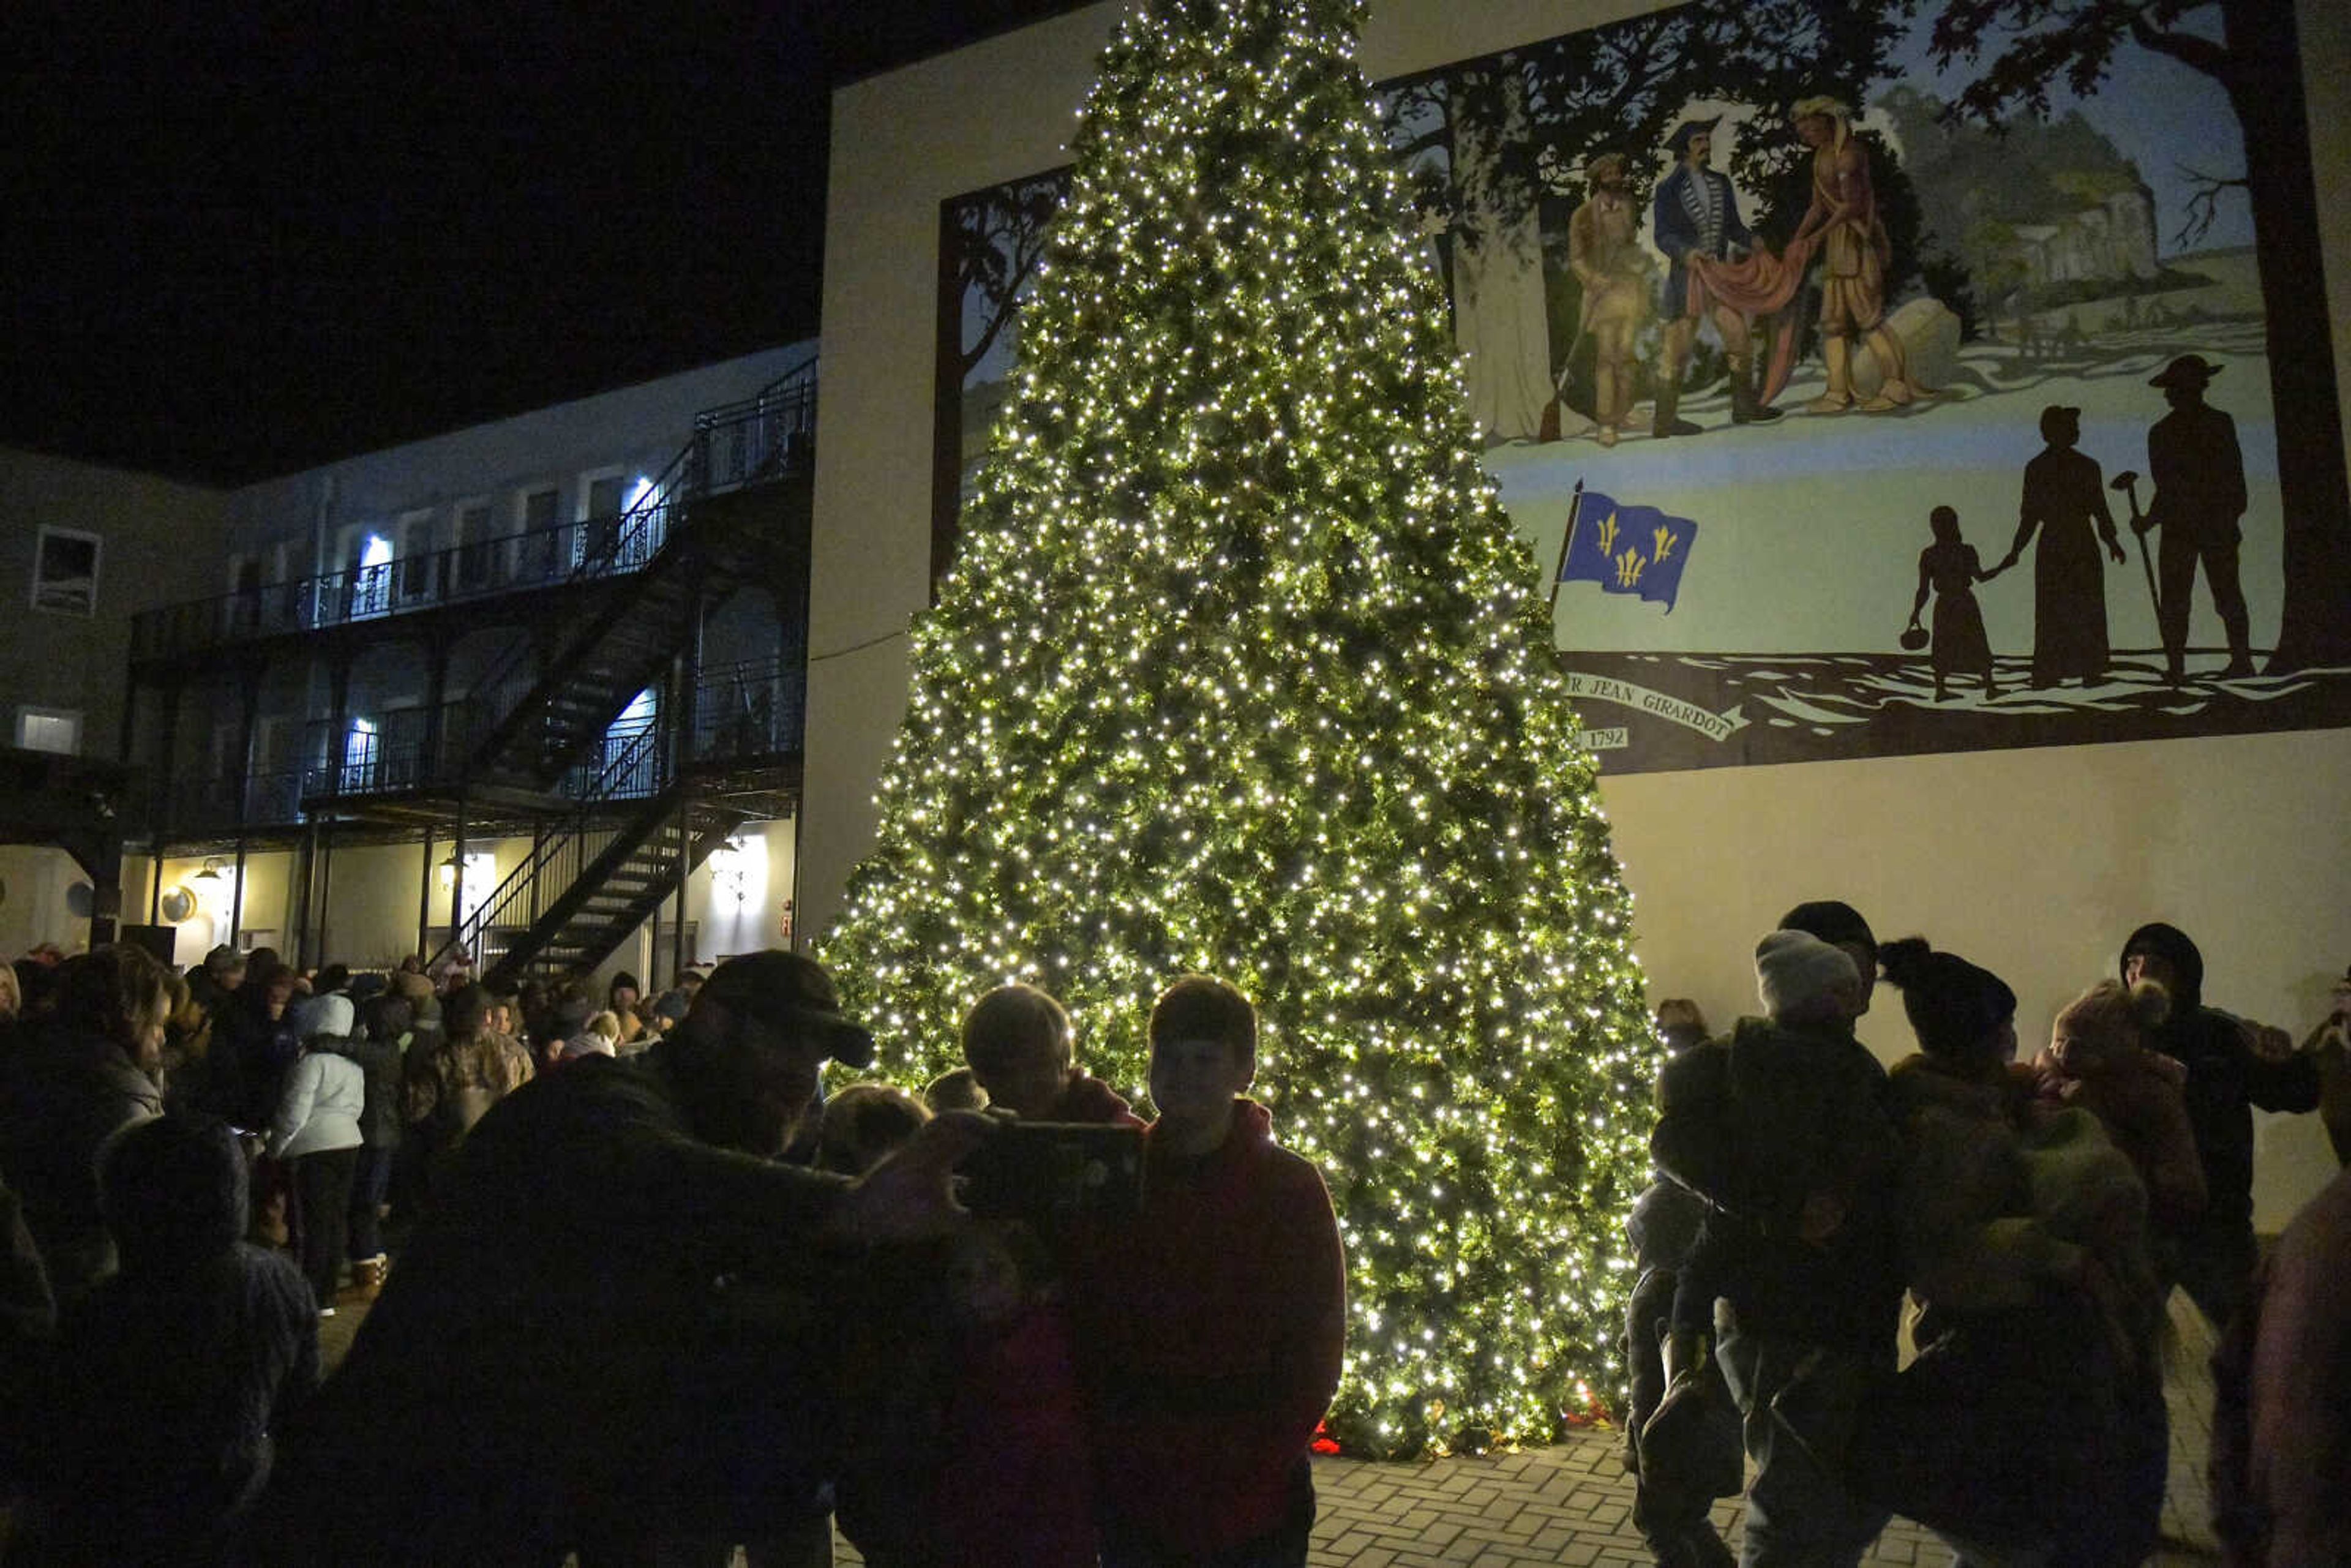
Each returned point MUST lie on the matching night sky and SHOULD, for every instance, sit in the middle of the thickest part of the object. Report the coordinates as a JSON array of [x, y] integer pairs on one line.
[[244, 237]]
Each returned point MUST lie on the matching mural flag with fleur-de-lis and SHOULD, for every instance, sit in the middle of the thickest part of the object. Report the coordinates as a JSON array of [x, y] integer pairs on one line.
[[1626, 550]]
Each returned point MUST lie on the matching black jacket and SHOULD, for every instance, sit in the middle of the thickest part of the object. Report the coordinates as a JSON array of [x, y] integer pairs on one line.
[[2225, 1078]]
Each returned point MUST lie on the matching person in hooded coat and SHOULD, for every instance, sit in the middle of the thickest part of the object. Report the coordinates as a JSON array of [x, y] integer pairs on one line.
[[160, 1408], [2232, 1066]]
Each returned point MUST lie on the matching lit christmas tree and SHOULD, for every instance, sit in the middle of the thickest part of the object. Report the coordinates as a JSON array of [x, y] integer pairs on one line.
[[1241, 672]]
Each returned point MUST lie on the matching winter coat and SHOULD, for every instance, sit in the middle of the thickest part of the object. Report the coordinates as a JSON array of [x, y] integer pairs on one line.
[[380, 1063], [1212, 1323], [612, 1244], [326, 1095], [2225, 1081], [2280, 1445], [160, 1405], [62, 1095], [2136, 1097], [1757, 1123], [1969, 1240]]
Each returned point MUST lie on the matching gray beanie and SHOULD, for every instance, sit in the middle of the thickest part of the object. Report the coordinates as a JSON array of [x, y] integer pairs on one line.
[[1794, 968]]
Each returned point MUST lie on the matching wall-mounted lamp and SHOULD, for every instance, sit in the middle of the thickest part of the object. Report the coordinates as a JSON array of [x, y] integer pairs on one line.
[[449, 873], [212, 871], [730, 869]]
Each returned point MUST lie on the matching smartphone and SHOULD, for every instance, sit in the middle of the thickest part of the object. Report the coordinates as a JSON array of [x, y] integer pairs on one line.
[[1053, 1173]]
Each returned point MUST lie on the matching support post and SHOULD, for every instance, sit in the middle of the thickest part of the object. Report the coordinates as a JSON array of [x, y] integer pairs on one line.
[[425, 900]]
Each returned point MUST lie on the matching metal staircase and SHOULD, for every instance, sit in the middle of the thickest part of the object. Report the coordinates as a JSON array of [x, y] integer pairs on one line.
[[597, 875], [682, 548], [622, 821]]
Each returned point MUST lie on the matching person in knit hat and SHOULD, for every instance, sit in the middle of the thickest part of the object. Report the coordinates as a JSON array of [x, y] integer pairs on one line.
[[1782, 1126], [2034, 1416], [1803, 980], [1840, 925]]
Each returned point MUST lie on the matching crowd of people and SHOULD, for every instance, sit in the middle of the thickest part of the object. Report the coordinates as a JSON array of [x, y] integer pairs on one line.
[[2021, 1217], [656, 1298]]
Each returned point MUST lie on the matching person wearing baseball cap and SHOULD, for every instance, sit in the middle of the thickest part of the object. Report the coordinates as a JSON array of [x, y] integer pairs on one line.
[[606, 1336]]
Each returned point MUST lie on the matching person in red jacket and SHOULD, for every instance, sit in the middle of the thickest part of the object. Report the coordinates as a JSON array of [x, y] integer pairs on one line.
[[1212, 1322], [1017, 1040]]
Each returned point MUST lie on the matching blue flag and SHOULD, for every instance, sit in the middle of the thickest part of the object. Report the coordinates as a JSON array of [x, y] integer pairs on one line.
[[1628, 550]]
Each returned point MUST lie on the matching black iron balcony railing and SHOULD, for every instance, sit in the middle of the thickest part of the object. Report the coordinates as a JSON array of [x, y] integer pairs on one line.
[[481, 569], [733, 446], [746, 711]]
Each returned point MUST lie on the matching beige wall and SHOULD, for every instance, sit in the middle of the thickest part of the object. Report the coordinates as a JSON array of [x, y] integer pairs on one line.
[[2036, 863], [150, 528], [371, 901]]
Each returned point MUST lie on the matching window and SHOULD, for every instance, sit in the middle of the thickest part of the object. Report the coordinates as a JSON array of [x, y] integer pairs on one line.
[[358, 758], [370, 578], [603, 521], [49, 729], [65, 571], [541, 540], [415, 555], [473, 545]]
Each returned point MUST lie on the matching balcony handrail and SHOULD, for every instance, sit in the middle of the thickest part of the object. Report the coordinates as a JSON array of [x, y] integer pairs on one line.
[[564, 843], [769, 427]]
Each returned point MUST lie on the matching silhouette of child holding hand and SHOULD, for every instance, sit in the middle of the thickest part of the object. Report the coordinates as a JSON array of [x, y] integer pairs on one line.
[[1951, 570]]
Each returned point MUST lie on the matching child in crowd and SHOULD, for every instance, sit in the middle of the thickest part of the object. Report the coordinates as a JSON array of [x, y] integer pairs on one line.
[[863, 1123], [955, 1090], [1211, 1322], [1018, 1041], [1673, 1477], [1015, 1484], [170, 1382], [2097, 1060]]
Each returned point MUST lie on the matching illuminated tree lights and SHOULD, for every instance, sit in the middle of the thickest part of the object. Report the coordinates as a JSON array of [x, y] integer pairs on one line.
[[1240, 670]]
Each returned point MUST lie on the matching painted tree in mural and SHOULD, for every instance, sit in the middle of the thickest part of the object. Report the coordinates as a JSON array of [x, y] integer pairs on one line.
[[1241, 670], [2258, 63]]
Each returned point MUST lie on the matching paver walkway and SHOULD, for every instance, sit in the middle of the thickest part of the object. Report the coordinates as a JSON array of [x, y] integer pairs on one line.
[[1572, 1503]]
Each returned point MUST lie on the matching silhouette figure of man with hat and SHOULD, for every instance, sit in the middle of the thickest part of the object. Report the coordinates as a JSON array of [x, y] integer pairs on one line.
[[2200, 492]]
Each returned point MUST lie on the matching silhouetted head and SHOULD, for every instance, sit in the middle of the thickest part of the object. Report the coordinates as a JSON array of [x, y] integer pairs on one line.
[[1945, 522], [2061, 426], [745, 1060], [1018, 1041], [2184, 380], [1960, 1012]]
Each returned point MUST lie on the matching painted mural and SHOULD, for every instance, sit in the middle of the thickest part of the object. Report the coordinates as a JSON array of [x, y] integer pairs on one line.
[[1866, 380]]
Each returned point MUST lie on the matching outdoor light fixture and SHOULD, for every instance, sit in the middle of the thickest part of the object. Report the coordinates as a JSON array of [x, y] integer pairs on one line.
[[730, 869], [449, 873], [212, 871]]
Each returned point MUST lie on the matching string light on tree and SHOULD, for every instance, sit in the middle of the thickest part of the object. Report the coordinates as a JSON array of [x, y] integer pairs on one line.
[[1240, 670]]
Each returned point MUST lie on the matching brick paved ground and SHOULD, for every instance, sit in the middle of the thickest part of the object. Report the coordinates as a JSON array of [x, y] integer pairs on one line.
[[1572, 1503]]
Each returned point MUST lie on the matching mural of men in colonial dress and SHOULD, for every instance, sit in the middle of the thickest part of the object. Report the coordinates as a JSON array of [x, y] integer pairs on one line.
[[1695, 213], [2200, 492], [1843, 224], [2065, 500], [1605, 254]]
